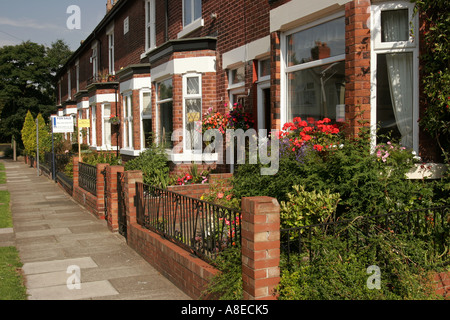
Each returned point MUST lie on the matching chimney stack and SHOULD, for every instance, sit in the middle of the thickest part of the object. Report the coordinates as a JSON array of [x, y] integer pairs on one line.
[[110, 4]]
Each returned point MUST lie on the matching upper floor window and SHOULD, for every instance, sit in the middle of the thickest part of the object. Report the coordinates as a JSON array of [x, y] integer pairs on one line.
[[192, 17], [110, 36], [192, 11], [77, 74], [94, 61], [150, 24]]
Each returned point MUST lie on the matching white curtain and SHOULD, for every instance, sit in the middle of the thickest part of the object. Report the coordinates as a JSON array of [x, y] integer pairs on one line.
[[400, 75]]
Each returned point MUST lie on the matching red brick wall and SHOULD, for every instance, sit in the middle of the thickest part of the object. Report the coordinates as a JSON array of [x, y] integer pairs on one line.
[[442, 284], [357, 65], [129, 47]]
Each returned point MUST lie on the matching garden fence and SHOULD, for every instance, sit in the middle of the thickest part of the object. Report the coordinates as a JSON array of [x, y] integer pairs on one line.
[[88, 177], [203, 228], [303, 244]]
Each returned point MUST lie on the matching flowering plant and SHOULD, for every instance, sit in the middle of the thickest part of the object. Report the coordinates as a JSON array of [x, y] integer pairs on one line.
[[239, 119], [114, 119], [392, 154], [192, 177], [321, 134], [214, 121]]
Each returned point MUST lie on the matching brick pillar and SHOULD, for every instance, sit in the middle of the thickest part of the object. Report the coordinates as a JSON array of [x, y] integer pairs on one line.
[[112, 195], [260, 247], [101, 190], [131, 177], [76, 160], [357, 65]]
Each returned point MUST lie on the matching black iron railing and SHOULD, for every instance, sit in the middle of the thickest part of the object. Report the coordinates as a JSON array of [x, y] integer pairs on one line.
[[203, 228], [87, 177], [121, 198], [432, 225]]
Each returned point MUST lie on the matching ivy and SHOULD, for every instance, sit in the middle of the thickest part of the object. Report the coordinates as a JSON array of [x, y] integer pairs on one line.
[[435, 62]]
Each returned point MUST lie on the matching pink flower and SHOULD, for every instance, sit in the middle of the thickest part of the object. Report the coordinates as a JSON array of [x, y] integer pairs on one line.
[[220, 195]]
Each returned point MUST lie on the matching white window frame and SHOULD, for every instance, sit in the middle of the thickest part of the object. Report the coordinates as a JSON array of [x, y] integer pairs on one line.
[[195, 24], [128, 109], [94, 124], [150, 25], [158, 106], [187, 96], [126, 25], [94, 61], [69, 85], [110, 36], [77, 74], [285, 70], [262, 78], [144, 116], [378, 47], [105, 145]]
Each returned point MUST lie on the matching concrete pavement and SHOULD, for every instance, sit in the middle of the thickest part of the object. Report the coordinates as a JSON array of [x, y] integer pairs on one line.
[[68, 254]]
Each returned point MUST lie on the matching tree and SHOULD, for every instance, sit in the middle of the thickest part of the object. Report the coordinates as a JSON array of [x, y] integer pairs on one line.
[[27, 77], [29, 134]]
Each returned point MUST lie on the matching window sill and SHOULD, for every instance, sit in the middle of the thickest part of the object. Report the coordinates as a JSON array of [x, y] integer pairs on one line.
[[191, 27], [130, 152], [427, 171], [189, 157]]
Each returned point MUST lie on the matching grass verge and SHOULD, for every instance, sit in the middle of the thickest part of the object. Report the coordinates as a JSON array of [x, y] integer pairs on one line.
[[11, 279], [5, 211]]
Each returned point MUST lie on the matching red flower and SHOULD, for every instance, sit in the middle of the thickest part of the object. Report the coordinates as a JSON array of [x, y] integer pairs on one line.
[[318, 147]]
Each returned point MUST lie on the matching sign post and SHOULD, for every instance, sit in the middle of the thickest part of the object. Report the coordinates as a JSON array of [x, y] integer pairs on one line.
[[37, 146], [82, 123], [59, 125]]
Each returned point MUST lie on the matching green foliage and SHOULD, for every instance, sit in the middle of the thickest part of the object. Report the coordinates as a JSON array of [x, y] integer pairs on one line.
[[367, 185], [12, 285], [154, 166], [220, 193], [5, 211], [227, 284], [29, 134], [339, 271], [27, 77], [305, 208], [436, 71], [95, 158]]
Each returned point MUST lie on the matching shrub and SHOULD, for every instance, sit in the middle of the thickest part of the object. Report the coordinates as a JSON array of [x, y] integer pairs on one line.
[[340, 272], [227, 284], [154, 166], [305, 208]]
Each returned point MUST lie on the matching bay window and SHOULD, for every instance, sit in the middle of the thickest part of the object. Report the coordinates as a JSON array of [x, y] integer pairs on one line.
[[192, 110], [128, 142], [395, 80], [106, 136], [315, 70], [164, 101], [146, 116]]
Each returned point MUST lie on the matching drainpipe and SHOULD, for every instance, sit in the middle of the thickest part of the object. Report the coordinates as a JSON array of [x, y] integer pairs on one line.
[[166, 31]]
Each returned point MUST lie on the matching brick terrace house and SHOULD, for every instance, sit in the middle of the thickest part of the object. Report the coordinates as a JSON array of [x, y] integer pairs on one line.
[[157, 63]]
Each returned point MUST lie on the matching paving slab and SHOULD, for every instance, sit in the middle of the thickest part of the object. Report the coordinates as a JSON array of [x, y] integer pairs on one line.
[[52, 233], [87, 290]]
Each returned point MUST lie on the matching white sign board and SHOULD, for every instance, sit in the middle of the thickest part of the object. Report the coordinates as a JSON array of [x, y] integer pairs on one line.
[[62, 124]]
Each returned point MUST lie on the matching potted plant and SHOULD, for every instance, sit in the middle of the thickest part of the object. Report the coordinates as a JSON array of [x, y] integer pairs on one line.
[[114, 120]]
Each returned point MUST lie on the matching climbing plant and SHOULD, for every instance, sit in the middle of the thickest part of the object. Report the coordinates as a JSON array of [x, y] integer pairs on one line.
[[435, 62]]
